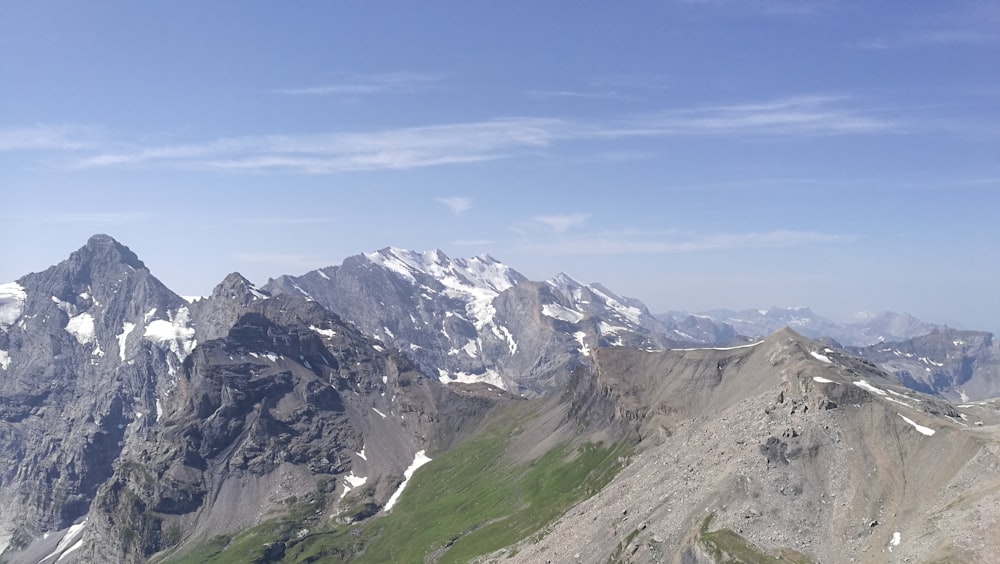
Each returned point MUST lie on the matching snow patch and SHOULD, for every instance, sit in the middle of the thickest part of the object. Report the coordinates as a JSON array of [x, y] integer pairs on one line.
[[722, 348], [301, 291], [159, 409], [148, 315], [362, 453], [823, 380], [379, 412], [896, 539], [12, 298], [67, 540], [897, 394], [584, 349], [355, 481], [75, 546], [322, 275], [821, 357], [4, 359], [175, 334], [123, 337], [561, 313], [894, 400], [471, 348], [864, 385], [328, 333], [488, 377], [81, 327], [503, 333], [352, 482], [920, 428], [608, 329], [419, 459]]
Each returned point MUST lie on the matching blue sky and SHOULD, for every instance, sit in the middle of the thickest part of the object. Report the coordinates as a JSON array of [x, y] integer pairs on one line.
[[692, 154]]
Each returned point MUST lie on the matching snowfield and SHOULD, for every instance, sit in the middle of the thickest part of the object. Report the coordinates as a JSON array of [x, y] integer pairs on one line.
[[176, 334], [12, 298], [419, 459]]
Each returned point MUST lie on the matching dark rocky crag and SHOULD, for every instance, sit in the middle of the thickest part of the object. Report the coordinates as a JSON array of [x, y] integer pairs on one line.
[[153, 422]]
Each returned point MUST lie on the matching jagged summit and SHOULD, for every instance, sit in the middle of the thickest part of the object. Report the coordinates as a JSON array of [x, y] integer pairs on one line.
[[481, 271], [476, 319], [104, 249], [236, 285]]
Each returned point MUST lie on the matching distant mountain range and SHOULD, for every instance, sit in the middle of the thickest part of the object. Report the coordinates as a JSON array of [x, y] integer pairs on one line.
[[755, 323], [287, 422]]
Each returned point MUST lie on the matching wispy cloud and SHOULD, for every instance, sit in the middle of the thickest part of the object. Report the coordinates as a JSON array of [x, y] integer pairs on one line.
[[406, 148], [457, 204], [338, 152], [384, 83], [562, 223], [630, 243], [800, 115], [47, 138]]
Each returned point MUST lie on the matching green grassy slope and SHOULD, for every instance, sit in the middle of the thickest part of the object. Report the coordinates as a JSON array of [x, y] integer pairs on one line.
[[469, 501]]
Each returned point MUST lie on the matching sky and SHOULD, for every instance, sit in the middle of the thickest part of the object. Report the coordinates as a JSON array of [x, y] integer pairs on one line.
[[692, 154]]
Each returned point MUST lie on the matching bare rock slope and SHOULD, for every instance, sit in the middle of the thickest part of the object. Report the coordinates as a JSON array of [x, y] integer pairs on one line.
[[783, 449]]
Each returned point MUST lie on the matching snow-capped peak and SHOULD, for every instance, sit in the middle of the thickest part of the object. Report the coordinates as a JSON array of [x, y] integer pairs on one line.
[[564, 281], [476, 280]]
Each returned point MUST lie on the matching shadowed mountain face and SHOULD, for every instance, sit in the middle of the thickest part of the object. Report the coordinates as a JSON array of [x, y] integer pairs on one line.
[[962, 366], [257, 425]]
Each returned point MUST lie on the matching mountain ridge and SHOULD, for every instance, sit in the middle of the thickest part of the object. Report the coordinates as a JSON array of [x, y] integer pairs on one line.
[[138, 425]]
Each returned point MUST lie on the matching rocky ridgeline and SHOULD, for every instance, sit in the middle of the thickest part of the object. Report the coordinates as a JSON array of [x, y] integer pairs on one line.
[[131, 420], [135, 423]]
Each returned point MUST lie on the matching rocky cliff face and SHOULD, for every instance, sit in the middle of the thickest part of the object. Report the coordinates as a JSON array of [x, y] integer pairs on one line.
[[477, 320], [86, 346], [962, 366], [133, 421]]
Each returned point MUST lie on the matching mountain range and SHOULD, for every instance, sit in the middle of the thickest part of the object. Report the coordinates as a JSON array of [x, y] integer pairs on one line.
[[407, 406]]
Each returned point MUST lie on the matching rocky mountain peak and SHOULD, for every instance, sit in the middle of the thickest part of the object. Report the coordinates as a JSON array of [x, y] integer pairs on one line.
[[236, 287], [103, 250]]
